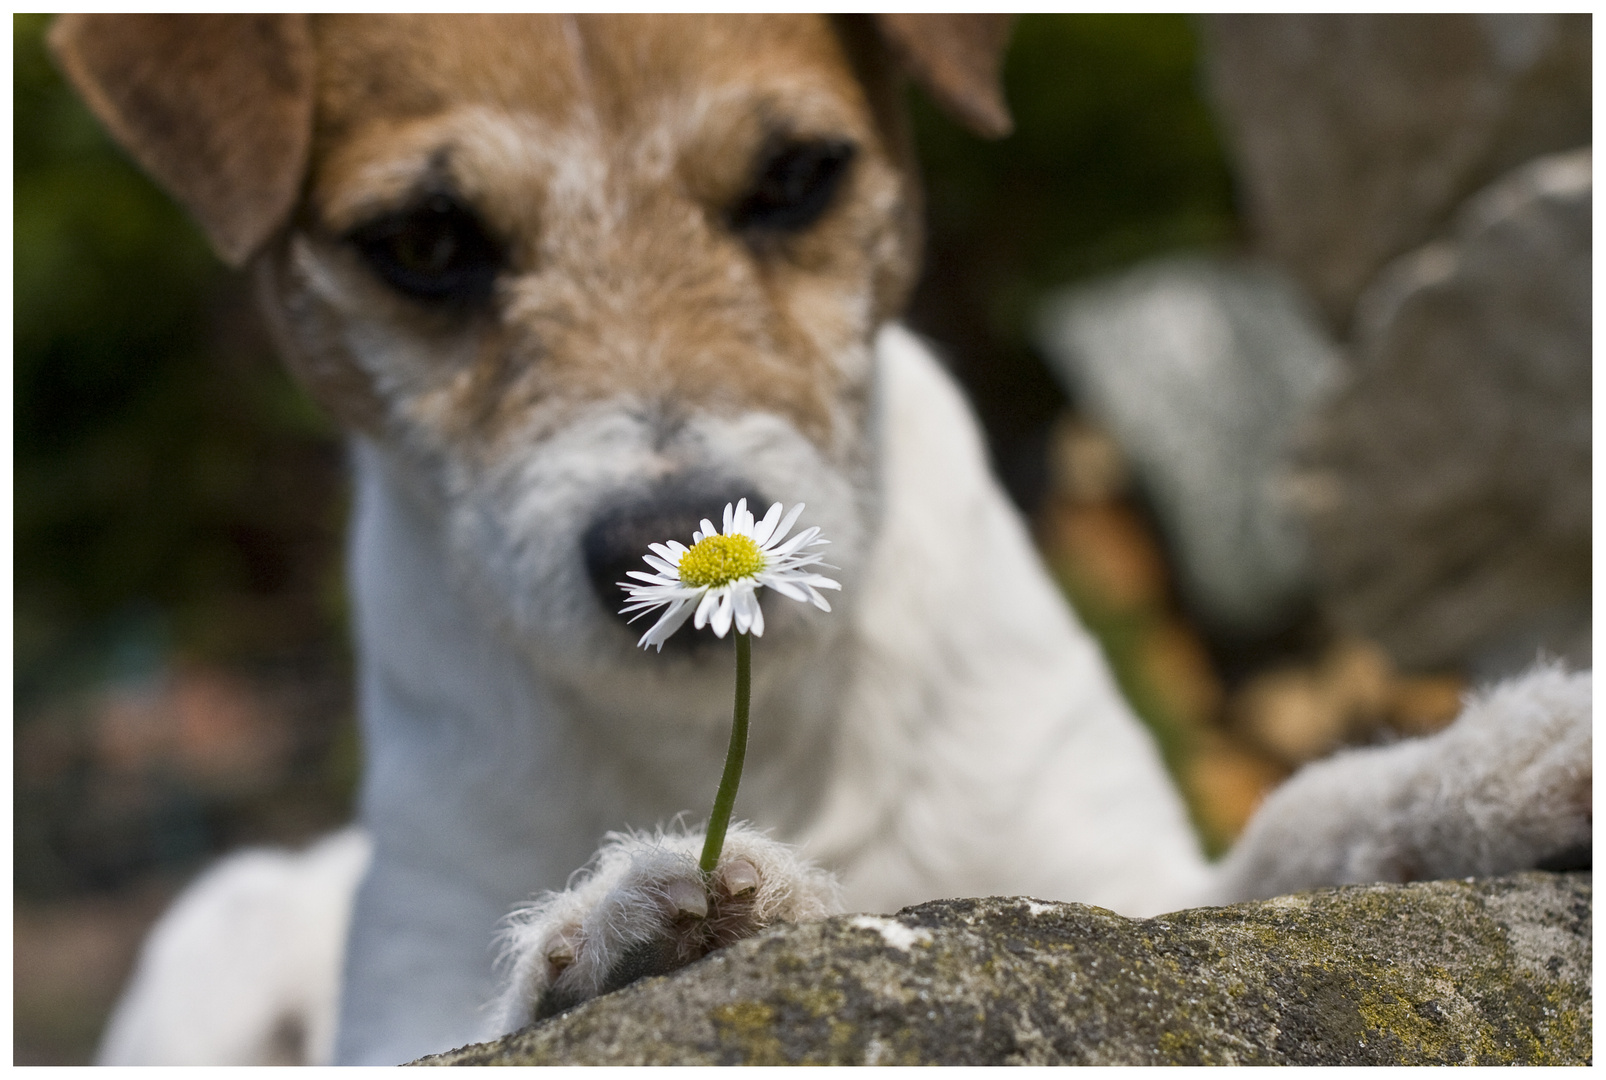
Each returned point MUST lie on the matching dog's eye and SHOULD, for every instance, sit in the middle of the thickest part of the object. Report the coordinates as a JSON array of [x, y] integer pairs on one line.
[[435, 251], [795, 184]]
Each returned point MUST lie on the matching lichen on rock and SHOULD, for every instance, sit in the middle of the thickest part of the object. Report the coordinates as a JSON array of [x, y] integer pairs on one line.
[[1493, 971]]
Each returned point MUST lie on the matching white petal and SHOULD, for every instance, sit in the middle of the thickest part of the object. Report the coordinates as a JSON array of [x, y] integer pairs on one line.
[[786, 524], [730, 512], [657, 594], [798, 541], [819, 601], [721, 621], [670, 568], [708, 530], [660, 588], [791, 569], [673, 620], [816, 581], [741, 608], [762, 531], [650, 598], [758, 618], [784, 587], [705, 608]]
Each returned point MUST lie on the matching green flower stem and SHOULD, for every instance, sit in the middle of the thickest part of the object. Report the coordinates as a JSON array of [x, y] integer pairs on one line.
[[720, 818]]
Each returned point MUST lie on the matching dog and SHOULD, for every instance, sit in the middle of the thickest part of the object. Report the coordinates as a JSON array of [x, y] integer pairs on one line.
[[572, 284]]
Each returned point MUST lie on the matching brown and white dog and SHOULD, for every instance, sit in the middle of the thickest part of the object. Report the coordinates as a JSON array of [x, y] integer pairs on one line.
[[573, 283]]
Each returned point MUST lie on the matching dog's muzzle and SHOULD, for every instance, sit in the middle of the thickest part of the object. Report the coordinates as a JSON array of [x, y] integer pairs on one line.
[[620, 533]]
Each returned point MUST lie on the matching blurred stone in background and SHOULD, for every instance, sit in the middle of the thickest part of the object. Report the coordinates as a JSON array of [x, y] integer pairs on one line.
[[1355, 138], [1449, 485], [1378, 495], [1427, 178], [1202, 370]]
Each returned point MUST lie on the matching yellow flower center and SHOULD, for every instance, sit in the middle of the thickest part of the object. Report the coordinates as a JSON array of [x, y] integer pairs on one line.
[[720, 560]]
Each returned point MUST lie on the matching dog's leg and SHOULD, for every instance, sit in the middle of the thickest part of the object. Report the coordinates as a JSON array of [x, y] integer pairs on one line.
[[644, 908], [244, 969], [1506, 787]]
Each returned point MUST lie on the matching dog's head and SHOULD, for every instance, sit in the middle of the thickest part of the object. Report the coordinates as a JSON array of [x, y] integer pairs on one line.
[[584, 279]]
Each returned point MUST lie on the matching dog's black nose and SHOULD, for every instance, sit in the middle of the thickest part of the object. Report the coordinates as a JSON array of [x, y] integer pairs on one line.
[[618, 537]]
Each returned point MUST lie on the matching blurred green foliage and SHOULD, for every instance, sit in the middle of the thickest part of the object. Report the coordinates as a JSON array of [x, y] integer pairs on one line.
[[171, 484]]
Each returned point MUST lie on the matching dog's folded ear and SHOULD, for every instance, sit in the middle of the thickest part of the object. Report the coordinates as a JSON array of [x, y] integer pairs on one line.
[[956, 58], [218, 108]]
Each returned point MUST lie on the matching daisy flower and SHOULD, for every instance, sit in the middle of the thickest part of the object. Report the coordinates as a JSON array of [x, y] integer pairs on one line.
[[714, 581]]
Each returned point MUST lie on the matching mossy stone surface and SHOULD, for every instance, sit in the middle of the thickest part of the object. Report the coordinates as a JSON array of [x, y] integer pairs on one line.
[[1492, 971]]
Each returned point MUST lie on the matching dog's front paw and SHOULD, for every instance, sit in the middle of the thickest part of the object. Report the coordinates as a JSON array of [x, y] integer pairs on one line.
[[1507, 787], [1519, 759], [644, 908]]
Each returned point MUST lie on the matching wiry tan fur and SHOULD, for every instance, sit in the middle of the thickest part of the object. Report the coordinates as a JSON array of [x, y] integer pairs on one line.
[[606, 150]]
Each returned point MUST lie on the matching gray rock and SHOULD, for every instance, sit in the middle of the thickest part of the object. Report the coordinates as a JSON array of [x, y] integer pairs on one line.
[[1356, 136], [1201, 369], [1448, 486], [1474, 972]]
